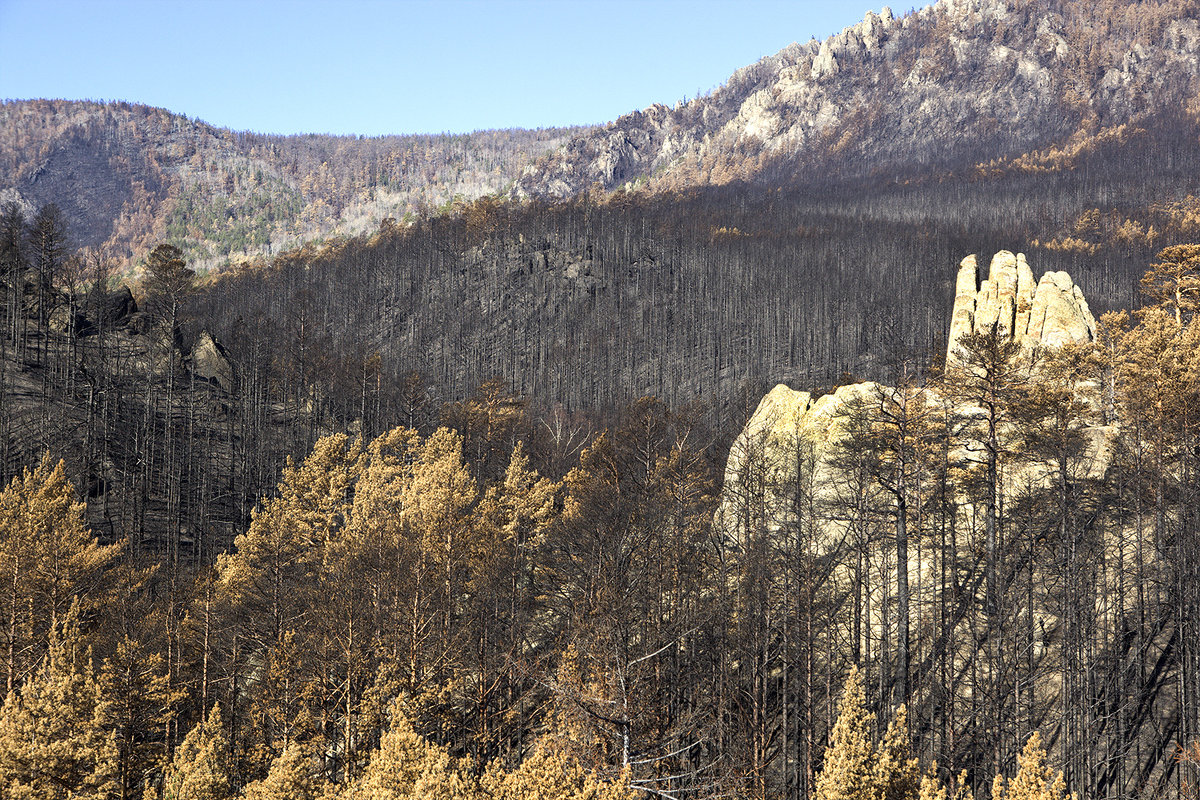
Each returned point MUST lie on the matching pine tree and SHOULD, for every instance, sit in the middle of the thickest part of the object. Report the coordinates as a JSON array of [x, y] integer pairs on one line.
[[376, 537], [933, 789], [200, 769], [291, 777], [896, 773], [854, 770], [134, 679], [407, 765], [512, 520], [848, 772], [1034, 779], [1174, 282], [48, 558], [169, 281], [53, 739], [269, 585], [549, 773], [437, 503]]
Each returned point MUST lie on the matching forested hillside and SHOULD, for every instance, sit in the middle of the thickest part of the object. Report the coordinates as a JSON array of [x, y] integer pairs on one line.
[[607, 297], [129, 176], [449, 500], [504, 597]]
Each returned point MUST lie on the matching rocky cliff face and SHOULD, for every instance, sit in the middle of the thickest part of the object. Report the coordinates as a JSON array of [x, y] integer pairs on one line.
[[791, 438], [943, 88]]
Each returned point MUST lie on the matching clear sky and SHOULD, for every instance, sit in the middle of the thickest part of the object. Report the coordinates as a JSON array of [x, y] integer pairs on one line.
[[395, 66]]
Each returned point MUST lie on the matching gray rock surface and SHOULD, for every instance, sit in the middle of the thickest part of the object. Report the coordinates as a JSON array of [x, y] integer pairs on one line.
[[922, 91], [209, 361]]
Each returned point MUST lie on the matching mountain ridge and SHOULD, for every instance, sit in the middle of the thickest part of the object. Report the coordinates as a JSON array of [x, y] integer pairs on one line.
[[973, 88], [130, 176], [933, 90]]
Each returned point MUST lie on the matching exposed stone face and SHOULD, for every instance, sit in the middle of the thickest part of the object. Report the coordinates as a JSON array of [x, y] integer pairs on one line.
[[789, 426], [765, 456], [117, 308], [951, 80], [209, 361], [1050, 313]]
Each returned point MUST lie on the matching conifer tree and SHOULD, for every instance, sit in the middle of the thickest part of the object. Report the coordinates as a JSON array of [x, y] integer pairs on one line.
[[53, 739], [512, 519], [268, 584], [896, 773], [848, 772], [549, 773], [140, 705], [1035, 780], [408, 765], [854, 770], [376, 537], [291, 777], [48, 558], [200, 769], [1174, 281], [437, 503], [933, 789], [169, 281]]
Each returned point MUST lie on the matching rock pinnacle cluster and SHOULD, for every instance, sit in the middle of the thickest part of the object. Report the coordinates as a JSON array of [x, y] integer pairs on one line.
[[1047, 313]]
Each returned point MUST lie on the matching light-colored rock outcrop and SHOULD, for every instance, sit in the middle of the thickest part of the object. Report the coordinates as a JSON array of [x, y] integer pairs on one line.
[[787, 428], [929, 88], [790, 426], [1050, 313], [210, 362]]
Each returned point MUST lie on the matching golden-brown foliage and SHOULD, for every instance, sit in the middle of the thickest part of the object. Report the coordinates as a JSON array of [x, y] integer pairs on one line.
[[54, 744], [1034, 779]]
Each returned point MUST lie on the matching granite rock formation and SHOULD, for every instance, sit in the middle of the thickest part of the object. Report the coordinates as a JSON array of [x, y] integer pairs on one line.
[[789, 426], [1049, 313], [208, 360]]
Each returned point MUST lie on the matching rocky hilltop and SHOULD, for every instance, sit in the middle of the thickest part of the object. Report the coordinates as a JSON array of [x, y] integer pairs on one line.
[[960, 84]]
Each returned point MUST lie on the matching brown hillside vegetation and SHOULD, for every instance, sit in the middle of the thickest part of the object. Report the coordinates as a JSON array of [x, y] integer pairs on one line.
[[472, 610], [129, 176]]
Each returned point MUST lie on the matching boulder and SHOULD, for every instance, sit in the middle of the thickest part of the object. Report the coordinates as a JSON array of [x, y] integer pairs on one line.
[[210, 362], [117, 307]]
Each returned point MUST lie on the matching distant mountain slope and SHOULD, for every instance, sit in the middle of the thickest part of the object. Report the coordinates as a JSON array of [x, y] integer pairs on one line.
[[129, 176], [948, 87], [963, 86]]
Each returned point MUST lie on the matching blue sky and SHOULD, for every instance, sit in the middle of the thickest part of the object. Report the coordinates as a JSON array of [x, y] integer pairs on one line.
[[395, 66]]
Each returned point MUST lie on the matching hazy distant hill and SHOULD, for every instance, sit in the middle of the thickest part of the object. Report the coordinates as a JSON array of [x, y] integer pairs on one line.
[[129, 176], [958, 85]]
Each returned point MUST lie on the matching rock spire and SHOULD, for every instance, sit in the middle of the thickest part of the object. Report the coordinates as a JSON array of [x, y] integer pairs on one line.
[[1049, 313]]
